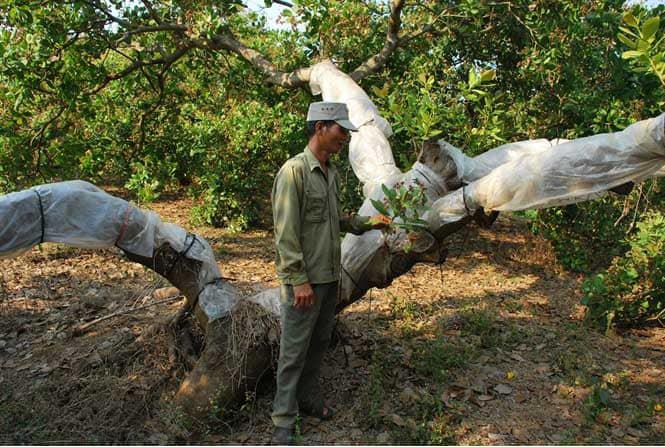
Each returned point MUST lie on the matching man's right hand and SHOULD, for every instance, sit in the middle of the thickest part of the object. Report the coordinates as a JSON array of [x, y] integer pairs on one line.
[[303, 296]]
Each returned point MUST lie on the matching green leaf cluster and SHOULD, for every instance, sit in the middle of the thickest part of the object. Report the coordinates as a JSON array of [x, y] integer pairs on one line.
[[403, 205], [584, 236], [646, 45], [632, 290]]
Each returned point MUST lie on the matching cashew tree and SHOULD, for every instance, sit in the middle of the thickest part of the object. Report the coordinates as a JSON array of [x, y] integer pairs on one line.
[[72, 70]]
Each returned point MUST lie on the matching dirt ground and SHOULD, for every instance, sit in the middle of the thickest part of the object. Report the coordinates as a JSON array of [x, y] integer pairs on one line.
[[490, 348]]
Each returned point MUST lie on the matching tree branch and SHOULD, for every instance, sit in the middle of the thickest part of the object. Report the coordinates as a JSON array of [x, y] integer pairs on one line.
[[295, 79], [377, 62], [152, 29], [428, 28], [166, 61], [39, 136], [298, 78], [108, 14]]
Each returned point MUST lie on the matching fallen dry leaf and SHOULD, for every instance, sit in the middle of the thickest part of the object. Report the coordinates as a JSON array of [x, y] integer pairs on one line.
[[503, 389], [397, 420]]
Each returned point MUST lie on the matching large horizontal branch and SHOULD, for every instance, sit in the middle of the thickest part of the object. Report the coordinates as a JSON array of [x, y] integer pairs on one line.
[[300, 77], [295, 79]]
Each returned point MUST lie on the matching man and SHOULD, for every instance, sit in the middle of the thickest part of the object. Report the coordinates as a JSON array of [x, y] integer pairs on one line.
[[308, 219]]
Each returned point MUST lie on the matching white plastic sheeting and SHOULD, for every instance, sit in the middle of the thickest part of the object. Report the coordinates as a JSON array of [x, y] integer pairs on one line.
[[516, 176], [473, 168], [369, 151], [80, 214], [569, 172]]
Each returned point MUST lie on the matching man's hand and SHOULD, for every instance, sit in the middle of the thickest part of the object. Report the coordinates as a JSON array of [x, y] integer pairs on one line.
[[303, 296], [379, 221]]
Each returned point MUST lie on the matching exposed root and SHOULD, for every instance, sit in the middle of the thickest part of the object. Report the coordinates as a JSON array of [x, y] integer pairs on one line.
[[239, 349]]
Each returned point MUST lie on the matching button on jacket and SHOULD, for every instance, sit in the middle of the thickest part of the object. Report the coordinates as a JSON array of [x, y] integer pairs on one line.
[[308, 220]]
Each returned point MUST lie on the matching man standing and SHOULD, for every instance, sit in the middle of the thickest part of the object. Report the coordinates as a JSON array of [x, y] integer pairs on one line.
[[307, 224]]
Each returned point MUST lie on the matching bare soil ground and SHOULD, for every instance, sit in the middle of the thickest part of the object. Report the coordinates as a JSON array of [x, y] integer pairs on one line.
[[491, 348]]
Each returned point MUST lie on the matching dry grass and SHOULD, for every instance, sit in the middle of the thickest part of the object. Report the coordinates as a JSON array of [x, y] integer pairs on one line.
[[426, 360]]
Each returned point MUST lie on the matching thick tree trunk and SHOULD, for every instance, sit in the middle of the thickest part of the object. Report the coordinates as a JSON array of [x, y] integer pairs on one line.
[[238, 346]]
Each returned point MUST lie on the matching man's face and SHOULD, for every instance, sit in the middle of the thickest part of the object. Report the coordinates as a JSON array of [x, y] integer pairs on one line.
[[333, 138]]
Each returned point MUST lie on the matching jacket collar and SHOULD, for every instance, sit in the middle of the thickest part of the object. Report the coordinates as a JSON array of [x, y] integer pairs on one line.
[[312, 161]]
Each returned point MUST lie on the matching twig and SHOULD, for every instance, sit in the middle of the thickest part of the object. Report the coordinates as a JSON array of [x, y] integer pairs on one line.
[[40, 137], [624, 212], [165, 61], [637, 207], [82, 328], [658, 317]]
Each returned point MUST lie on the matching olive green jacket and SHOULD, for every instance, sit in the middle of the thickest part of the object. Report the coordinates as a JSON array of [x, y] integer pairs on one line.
[[307, 219]]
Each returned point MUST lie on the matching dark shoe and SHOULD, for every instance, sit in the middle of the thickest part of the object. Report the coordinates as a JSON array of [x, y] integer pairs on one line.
[[320, 411], [282, 436]]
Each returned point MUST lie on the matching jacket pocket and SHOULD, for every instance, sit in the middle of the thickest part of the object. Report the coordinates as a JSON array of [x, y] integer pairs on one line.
[[315, 209]]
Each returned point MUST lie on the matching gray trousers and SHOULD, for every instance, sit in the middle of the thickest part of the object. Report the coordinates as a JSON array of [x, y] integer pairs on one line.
[[305, 337]]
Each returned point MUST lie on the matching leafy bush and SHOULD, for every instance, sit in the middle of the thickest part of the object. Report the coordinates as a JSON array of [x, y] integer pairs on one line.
[[632, 289], [257, 139], [584, 236]]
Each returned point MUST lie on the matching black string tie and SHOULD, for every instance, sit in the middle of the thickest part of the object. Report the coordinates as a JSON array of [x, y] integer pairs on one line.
[[466, 207], [180, 256], [41, 213]]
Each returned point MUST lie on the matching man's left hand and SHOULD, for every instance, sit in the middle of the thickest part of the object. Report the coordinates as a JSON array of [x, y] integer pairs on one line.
[[379, 221]]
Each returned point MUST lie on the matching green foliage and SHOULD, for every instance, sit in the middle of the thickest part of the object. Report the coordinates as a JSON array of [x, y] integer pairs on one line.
[[372, 399], [597, 401], [151, 130], [257, 139], [632, 289], [403, 205], [584, 236], [646, 48], [438, 358], [143, 183], [587, 236], [482, 324]]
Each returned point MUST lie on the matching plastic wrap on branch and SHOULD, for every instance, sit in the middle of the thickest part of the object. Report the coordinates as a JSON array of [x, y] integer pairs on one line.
[[570, 172], [367, 260], [473, 168], [80, 214], [369, 151]]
